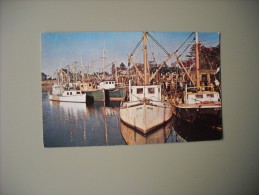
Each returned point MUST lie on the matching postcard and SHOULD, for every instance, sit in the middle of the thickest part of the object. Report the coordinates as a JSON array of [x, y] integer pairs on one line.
[[130, 88]]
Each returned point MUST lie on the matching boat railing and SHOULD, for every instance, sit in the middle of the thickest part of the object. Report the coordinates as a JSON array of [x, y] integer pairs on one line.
[[119, 84], [201, 88]]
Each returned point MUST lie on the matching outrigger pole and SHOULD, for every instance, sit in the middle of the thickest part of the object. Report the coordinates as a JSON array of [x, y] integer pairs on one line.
[[147, 78], [146, 69], [197, 62]]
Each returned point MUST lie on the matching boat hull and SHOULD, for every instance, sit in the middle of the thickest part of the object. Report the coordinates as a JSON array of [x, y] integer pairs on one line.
[[76, 98], [106, 95], [198, 111], [145, 116], [96, 95], [116, 94], [133, 137]]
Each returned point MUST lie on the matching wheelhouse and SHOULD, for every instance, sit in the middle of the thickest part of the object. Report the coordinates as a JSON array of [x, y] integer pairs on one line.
[[108, 84], [152, 92]]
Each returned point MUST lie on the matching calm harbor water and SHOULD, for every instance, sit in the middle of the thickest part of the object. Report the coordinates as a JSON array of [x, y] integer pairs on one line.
[[77, 124]]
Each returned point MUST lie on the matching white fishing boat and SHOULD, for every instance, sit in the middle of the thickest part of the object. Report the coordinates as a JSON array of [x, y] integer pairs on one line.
[[143, 108], [61, 94], [107, 85], [199, 100]]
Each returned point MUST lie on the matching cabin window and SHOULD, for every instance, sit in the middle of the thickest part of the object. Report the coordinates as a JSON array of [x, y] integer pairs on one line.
[[199, 96], [78, 92], [106, 82], [130, 90], [151, 90], [70, 93], [82, 85], [110, 82], [90, 85], [67, 93], [139, 90], [210, 95], [158, 90]]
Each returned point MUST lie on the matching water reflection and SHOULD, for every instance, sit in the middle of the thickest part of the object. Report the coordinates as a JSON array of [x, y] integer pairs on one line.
[[78, 124], [197, 131], [157, 136]]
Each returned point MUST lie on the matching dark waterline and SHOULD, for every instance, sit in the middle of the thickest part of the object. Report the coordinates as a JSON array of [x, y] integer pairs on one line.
[[77, 124]]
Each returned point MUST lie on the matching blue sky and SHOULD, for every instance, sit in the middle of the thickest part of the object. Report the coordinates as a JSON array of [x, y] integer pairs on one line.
[[61, 48]]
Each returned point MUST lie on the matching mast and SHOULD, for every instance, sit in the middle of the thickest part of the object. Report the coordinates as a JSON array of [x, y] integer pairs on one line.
[[197, 60], [103, 58], [116, 73], [82, 70], [146, 73]]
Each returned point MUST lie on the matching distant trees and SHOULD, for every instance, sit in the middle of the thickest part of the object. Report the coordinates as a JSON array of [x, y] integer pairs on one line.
[[209, 57], [123, 66], [43, 76], [113, 69]]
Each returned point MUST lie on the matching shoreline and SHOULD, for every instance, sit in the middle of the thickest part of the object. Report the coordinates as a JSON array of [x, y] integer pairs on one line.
[[47, 85]]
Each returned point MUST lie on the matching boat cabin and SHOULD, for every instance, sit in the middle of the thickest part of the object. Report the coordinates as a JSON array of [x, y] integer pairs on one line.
[[71, 93], [87, 86], [200, 96], [57, 89], [152, 92], [108, 84]]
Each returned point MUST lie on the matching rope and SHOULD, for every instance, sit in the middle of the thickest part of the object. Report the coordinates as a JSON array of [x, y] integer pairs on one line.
[[159, 45], [184, 42], [134, 50], [185, 48]]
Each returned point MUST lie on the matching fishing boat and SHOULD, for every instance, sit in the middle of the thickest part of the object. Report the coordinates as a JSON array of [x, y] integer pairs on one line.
[[112, 92], [198, 100], [143, 107], [92, 93], [117, 94], [109, 85], [64, 94]]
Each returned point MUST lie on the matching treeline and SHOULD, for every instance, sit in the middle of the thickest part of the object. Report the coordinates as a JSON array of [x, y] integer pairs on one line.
[[209, 57]]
